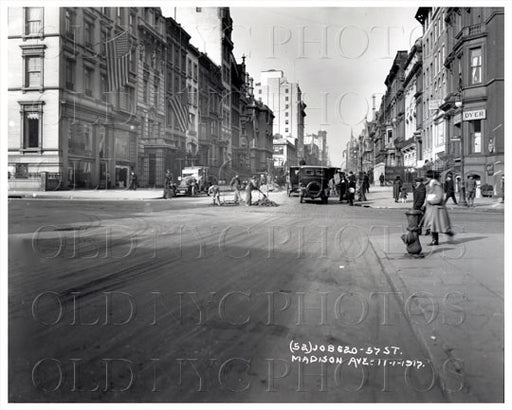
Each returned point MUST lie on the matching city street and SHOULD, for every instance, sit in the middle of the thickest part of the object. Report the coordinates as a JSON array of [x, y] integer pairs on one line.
[[181, 301]]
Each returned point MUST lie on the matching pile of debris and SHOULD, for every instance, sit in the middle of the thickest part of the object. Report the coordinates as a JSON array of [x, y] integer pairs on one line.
[[264, 202]]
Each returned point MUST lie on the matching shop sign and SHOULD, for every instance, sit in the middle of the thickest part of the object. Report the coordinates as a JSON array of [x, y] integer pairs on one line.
[[457, 118], [473, 115], [490, 169]]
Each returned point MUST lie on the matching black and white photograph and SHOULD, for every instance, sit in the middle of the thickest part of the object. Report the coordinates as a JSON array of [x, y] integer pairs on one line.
[[254, 203]]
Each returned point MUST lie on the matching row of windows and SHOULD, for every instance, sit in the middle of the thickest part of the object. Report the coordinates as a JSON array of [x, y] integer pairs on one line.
[[439, 26], [191, 69], [434, 136], [439, 82]]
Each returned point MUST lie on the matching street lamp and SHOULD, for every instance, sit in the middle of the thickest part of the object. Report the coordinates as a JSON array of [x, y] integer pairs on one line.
[[462, 201]]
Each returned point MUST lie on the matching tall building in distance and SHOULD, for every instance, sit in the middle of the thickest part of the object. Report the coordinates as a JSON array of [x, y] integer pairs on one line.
[[315, 149], [284, 98]]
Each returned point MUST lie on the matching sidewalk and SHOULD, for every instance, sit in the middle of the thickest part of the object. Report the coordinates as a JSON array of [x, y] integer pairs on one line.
[[93, 194], [382, 197], [453, 298]]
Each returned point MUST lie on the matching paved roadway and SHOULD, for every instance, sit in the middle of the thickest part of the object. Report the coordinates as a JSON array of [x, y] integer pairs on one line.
[[180, 301]]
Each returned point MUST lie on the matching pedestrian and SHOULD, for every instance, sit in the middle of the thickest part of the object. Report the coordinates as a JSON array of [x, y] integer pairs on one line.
[[251, 186], [362, 188], [458, 187], [403, 194], [133, 180], [263, 180], [366, 183], [332, 187], [201, 183], [351, 188], [397, 187], [436, 216], [214, 190], [418, 200], [167, 184], [449, 189], [381, 179], [236, 184], [502, 187], [470, 190], [342, 187]]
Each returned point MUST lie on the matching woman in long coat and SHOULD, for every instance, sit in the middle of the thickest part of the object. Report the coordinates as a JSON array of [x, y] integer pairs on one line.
[[436, 216]]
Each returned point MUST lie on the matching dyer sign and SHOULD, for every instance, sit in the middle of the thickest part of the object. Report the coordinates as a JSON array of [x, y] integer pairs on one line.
[[473, 115]]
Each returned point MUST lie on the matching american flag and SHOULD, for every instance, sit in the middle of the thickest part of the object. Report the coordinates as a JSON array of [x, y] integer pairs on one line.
[[180, 111], [118, 59]]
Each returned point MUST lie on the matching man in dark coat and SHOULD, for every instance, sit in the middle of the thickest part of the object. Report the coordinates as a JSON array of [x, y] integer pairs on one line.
[[418, 195], [133, 180], [381, 179], [366, 183], [351, 188], [397, 187], [342, 187], [168, 184], [418, 202], [449, 189]]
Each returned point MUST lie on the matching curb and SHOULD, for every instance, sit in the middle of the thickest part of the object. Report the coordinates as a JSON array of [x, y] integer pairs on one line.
[[78, 198], [435, 354]]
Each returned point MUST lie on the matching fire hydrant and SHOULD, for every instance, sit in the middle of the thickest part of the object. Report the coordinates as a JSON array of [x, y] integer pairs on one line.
[[411, 238]]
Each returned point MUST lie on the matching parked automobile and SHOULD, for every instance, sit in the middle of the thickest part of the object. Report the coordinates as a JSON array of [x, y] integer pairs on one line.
[[487, 190], [187, 187], [203, 179], [314, 182]]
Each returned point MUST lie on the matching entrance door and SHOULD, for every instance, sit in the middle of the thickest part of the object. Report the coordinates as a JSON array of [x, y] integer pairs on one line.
[[152, 170], [104, 175], [122, 176]]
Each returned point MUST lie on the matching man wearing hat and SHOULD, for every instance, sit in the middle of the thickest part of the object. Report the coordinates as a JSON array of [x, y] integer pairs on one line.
[[419, 195], [449, 188], [397, 187]]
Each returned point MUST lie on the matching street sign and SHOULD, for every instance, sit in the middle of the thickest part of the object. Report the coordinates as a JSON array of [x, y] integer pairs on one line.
[[473, 115], [457, 119]]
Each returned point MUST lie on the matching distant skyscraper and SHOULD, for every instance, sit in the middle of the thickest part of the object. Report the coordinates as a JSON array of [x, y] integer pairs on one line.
[[285, 100]]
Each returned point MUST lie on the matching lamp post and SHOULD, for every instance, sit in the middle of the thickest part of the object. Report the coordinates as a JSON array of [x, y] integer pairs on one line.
[[462, 200]]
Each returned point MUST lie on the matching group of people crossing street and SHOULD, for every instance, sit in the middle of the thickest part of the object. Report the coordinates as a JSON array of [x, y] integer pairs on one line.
[[347, 186]]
